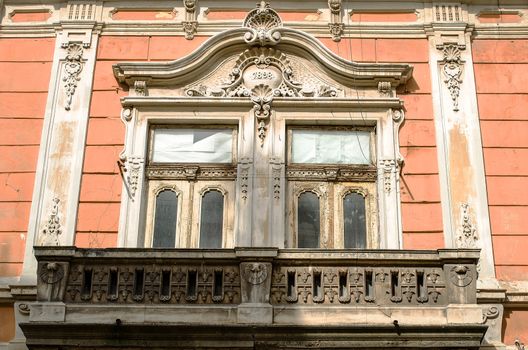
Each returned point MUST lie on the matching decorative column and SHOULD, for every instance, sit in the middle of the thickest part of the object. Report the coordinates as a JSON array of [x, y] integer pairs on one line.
[[460, 158], [55, 200]]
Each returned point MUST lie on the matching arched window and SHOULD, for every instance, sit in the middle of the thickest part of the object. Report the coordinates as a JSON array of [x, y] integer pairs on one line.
[[354, 221], [212, 219], [165, 219], [308, 221]]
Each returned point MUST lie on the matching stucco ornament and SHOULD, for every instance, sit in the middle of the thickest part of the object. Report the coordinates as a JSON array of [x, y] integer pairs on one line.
[[262, 74], [264, 24], [467, 235], [453, 69], [52, 230], [72, 70], [255, 273]]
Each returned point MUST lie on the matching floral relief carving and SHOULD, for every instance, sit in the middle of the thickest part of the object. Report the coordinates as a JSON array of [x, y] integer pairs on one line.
[[452, 69], [133, 169], [388, 167], [52, 229], [262, 74], [336, 30], [72, 70], [467, 234]]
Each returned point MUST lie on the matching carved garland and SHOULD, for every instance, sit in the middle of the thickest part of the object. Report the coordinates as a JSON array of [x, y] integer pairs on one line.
[[452, 70], [72, 70]]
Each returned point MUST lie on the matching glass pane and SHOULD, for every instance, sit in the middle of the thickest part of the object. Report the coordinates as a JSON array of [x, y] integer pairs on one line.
[[212, 220], [308, 221], [192, 146], [354, 221], [330, 147], [165, 220]]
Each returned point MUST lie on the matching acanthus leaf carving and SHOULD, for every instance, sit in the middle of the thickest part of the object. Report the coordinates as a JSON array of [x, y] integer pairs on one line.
[[73, 66], [452, 68], [52, 230]]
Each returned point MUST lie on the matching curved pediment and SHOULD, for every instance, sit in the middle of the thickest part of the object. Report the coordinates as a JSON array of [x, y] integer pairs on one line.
[[299, 64]]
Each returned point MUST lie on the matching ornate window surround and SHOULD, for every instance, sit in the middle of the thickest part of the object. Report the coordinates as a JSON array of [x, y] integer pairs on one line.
[[329, 90]]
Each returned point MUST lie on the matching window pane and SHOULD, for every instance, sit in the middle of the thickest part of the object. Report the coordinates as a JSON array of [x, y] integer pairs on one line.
[[330, 147], [165, 220], [212, 220], [354, 221], [308, 222], [192, 146]]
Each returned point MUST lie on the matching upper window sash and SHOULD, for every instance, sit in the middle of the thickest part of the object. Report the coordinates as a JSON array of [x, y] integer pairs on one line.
[[330, 146], [202, 145]]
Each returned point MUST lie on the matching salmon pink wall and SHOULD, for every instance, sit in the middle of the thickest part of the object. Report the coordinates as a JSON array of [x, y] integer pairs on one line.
[[501, 72], [26, 67], [101, 184]]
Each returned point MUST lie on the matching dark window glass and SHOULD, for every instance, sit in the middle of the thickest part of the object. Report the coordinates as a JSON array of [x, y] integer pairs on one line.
[[211, 222], [308, 221], [354, 221], [165, 220]]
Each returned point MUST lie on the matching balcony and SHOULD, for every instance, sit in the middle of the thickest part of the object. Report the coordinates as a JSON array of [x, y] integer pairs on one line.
[[248, 298]]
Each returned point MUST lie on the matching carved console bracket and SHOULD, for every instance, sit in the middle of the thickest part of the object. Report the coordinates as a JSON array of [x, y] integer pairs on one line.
[[452, 68], [335, 25], [190, 25]]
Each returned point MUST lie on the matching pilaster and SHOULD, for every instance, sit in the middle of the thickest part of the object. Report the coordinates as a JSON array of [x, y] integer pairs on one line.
[[460, 157], [55, 199]]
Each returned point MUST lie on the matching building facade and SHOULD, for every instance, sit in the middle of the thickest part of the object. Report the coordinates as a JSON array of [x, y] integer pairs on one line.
[[290, 175]]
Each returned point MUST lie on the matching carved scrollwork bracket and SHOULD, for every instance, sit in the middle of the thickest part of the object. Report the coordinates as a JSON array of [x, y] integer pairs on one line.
[[452, 69]]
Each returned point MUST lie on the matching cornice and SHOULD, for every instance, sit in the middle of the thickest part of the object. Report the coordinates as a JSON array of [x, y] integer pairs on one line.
[[232, 41]]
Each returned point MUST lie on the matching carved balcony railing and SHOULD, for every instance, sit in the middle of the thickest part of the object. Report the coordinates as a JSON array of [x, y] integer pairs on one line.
[[297, 277], [192, 297]]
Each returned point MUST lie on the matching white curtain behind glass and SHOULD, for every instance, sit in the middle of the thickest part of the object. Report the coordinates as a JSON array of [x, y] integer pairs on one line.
[[330, 147], [192, 146]]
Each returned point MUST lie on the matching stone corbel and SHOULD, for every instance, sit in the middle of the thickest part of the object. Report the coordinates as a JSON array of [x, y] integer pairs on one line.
[[452, 68], [335, 25], [492, 315], [190, 25]]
